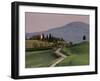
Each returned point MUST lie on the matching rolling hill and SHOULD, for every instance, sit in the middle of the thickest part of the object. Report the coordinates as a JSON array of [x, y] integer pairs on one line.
[[70, 32]]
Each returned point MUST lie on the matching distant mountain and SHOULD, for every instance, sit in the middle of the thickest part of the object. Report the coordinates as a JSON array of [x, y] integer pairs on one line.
[[29, 35], [70, 32]]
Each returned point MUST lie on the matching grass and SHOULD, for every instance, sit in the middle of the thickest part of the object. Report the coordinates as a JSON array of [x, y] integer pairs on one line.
[[79, 55], [43, 58]]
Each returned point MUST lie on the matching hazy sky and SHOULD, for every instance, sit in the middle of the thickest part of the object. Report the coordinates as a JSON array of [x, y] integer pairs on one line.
[[36, 22]]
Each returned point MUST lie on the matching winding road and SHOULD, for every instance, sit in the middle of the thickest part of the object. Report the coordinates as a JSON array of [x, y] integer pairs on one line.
[[61, 57]]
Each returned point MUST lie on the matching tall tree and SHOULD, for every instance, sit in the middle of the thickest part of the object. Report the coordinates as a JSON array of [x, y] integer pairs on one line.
[[47, 38], [84, 37], [50, 36]]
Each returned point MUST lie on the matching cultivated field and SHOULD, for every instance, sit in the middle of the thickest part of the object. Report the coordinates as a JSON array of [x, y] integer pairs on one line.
[[37, 44], [43, 58], [42, 54]]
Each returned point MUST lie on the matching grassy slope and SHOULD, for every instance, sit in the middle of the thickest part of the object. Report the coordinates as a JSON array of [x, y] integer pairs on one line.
[[39, 58], [79, 55]]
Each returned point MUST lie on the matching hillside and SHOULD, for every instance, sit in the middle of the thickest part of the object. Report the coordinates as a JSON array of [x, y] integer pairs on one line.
[[79, 55], [70, 32]]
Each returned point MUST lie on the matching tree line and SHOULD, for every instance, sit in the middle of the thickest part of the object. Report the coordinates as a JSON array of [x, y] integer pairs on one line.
[[48, 37]]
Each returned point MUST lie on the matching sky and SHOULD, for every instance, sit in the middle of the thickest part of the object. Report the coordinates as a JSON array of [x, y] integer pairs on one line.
[[37, 22]]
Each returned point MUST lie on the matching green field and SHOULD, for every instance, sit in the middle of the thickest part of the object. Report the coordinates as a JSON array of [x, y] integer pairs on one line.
[[78, 55], [43, 58]]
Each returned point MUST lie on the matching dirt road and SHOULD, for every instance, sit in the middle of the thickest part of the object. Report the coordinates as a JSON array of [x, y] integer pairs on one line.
[[61, 57]]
